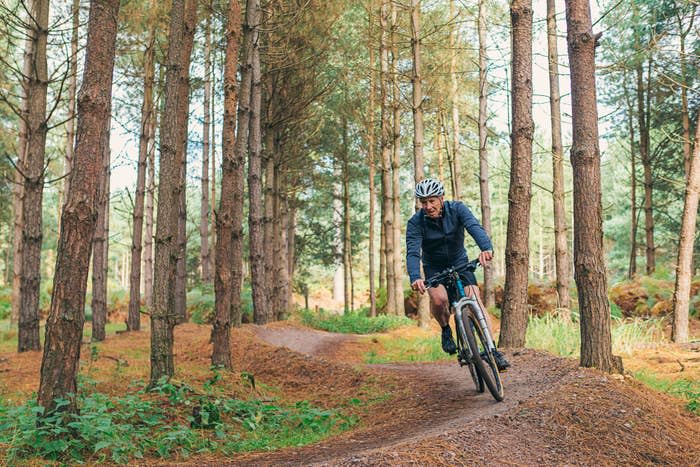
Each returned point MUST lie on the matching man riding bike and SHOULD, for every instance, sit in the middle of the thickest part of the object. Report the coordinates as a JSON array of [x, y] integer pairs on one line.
[[437, 231]]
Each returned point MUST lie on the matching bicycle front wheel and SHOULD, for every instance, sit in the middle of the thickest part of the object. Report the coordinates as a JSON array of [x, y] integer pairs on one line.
[[484, 359], [464, 355]]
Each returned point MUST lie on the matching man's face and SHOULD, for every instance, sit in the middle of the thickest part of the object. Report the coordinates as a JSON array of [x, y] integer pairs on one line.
[[432, 206]]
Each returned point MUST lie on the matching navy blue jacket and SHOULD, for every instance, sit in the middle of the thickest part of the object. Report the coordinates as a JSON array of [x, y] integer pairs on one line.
[[441, 240]]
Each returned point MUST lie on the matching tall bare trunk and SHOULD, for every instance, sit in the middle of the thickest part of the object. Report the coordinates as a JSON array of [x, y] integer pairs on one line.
[[204, 255], [395, 164], [35, 85], [133, 322], [64, 327], [255, 212], [454, 39], [72, 88], [418, 129], [560, 231], [370, 160], [685, 115], [589, 261], [227, 273], [514, 323], [100, 253], [347, 244], [386, 145], [269, 214], [643, 117], [489, 293], [684, 268], [150, 193], [632, 271], [164, 314], [180, 300]]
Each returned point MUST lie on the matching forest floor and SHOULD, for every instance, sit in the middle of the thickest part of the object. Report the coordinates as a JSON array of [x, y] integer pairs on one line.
[[554, 413]]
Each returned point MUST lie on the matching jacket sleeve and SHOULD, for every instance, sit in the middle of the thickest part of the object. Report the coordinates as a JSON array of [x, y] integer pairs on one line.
[[473, 227], [414, 239]]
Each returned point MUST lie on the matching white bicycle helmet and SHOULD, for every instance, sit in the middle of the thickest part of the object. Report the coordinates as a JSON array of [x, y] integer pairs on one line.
[[429, 187]]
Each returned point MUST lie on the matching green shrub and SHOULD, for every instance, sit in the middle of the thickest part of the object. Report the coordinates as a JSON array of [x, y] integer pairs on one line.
[[200, 304], [686, 389], [356, 322], [171, 421]]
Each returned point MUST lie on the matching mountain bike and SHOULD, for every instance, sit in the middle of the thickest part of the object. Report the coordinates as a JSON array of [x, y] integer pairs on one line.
[[475, 345]]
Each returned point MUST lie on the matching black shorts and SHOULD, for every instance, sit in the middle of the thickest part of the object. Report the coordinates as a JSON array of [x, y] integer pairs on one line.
[[468, 277]]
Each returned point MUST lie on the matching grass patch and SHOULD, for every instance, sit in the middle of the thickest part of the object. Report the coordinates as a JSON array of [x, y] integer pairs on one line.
[[407, 349], [171, 421], [356, 322], [688, 390], [561, 337]]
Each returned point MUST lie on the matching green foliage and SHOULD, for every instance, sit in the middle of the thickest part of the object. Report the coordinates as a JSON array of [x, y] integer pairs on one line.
[[171, 420], [686, 389], [5, 302], [200, 304], [401, 349], [356, 322], [561, 337]]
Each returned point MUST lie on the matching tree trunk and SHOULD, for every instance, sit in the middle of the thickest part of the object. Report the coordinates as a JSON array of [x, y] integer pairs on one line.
[[685, 115], [643, 117], [204, 256], [454, 38], [72, 90], [347, 244], [180, 299], [268, 215], [255, 212], [514, 320], [395, 165], [133, 322], [560, 231], [163, 314], [282, 272], [150, 193], [418, 131], [387, 191], [100, 254], [684, 268], [596, 347], [371, 162], [489, 293], [64, 327], [227, 273], [632, 271], [35, 84]]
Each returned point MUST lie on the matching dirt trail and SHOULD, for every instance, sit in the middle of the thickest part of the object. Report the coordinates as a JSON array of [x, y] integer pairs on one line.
[[441, 397]]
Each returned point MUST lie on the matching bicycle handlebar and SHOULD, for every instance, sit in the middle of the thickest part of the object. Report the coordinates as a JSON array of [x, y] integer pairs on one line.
[[443, 276]]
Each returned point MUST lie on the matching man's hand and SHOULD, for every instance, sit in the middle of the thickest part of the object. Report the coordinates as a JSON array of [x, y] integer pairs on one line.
[[485, 257], [419, 285]]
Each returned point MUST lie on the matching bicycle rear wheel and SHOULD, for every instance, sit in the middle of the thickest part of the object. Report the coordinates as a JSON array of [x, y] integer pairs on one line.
[[464, 355], [485, 361]]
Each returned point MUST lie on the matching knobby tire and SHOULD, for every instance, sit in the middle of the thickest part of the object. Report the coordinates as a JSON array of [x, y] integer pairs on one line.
[[463, 355], [487, 370]]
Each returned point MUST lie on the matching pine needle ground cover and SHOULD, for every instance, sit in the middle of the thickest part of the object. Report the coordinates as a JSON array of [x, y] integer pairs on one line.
[[271, 400]]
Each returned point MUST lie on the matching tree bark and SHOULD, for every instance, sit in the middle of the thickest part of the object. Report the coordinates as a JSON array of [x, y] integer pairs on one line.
[[255, 212], [100, 254], [204, 255], [643, 117], [684, 268], [164, 314], [685, 115], [489, 293], [35, 85], [150, 193], [454, 38], [64, 327], [386, 144], [72, 90], [560, 230], [395, 165], [596, 347], [515, 312], [347, 244], [632, 271], [227, 273], [418, 130], [370, 161], [180, 299], [133, 322]]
